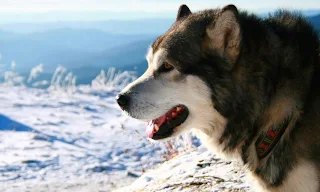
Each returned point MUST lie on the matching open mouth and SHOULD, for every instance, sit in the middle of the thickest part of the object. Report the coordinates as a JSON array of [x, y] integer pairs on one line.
[[165, 125]]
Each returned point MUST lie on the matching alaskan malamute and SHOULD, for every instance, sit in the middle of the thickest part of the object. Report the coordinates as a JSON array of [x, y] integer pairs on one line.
[[249, 87]]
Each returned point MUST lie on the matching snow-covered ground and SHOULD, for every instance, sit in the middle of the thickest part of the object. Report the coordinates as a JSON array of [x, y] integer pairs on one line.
[[195, 170], [52, 140], [52, 137]]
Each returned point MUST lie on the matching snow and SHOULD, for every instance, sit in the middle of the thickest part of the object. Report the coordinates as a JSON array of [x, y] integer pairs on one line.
[[196, 170], [34, 73], [48, 137], [54, 140]]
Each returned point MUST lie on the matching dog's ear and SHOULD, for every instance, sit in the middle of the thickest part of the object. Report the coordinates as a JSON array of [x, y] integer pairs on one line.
[[223, 35], [183, 11]]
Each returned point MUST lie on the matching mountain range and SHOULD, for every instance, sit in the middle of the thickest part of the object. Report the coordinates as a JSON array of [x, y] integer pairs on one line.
[[83, 48]]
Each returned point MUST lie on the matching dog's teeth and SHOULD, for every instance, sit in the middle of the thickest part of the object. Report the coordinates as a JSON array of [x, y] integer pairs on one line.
[[156, 127], [179, 108]]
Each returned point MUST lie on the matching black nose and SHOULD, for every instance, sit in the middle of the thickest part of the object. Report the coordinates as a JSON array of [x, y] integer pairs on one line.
[[123, 100]]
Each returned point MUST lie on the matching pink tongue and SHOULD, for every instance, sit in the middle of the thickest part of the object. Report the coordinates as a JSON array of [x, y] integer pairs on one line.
[[151, 130]]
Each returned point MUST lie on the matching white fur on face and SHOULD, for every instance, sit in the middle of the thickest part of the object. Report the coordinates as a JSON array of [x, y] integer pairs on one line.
[[149, 55], [151, 98], [156, 60]]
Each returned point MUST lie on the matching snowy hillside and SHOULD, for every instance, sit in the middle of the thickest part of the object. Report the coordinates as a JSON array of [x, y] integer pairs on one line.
[[75, 138], [51, 136]]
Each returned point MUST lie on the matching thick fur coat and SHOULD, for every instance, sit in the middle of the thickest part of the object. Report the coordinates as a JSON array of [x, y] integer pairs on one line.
[[239, 75]]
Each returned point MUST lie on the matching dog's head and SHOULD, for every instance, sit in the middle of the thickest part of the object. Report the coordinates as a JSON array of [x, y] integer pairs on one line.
[[188, 78]]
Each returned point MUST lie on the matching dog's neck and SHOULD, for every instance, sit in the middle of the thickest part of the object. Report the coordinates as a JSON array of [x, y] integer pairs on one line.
[[268, 138], [271, 129]]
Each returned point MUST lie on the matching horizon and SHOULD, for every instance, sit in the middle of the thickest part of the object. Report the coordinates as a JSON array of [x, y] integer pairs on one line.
[[37, 11]]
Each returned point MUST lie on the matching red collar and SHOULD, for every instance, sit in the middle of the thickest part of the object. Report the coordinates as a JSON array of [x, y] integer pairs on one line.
[[268, 140]]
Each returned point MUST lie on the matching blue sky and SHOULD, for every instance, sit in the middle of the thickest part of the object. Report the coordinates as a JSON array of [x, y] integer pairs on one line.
[[143, 5], [50, 10]]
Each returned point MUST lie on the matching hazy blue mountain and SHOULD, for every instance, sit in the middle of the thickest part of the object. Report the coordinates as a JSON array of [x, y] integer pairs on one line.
[[5, 35], [131, 27], [316, 21], [83, 39], [130, 57], [67, 47], [83, 47], [125, 55], [311, 12], [87, 66]]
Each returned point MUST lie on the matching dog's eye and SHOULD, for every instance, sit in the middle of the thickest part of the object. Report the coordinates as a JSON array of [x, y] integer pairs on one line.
[[166, 67]]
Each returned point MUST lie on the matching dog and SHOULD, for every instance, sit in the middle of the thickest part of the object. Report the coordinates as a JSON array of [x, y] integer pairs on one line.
[[247, 86]]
